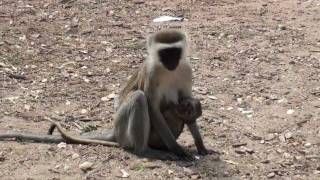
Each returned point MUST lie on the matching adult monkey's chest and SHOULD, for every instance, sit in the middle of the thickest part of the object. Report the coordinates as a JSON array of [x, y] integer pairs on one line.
[[173, 83]]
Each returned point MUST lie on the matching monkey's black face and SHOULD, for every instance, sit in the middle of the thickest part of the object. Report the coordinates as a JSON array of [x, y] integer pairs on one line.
[[170, 57]]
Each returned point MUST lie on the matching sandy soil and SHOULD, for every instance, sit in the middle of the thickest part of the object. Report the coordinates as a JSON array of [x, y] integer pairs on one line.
[[256, 69]]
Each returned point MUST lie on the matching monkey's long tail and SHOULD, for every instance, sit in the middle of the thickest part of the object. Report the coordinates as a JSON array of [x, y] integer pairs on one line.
[[31, 137]]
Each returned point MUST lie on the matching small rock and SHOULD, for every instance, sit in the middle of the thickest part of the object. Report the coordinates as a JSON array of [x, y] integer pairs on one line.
[[249, 115], [282, 138], [84, 111], [26, 107], [68, 102], [307, 145], [75, 156], [66, 167], [86, 80], [2, 157], [239, 144], [270, 137], [288, 135], [316, 172], [240, 151], [266, 161], [105, 98], [283, 100], [250, 151], [287, 155], [170, 172], [279, 151], [229, 108], [188, 171], [33, 66], [290, 111], [62, 145], [247, 112], [271, 175], [212, 97], [282, 27], [138, 1], [239, 100], [195, 176], [222, 35], [111, 96], [125, 174], [86, 166]]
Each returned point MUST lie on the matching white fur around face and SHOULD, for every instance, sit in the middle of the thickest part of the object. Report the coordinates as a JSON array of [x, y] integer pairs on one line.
[[156, 47]]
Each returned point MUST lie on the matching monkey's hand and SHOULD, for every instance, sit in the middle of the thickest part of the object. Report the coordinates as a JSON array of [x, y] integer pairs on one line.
[[189, 110]]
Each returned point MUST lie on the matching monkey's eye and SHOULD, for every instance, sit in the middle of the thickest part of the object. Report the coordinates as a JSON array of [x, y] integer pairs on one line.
[[170, 57]]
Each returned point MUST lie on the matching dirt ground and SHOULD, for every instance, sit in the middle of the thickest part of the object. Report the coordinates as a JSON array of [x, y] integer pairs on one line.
[[256, 70]]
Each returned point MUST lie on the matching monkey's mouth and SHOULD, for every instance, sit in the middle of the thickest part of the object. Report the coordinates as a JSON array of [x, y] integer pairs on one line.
[[170, 57]]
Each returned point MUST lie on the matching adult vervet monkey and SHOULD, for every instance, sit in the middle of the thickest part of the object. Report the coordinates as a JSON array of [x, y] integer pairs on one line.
[[154, 105]]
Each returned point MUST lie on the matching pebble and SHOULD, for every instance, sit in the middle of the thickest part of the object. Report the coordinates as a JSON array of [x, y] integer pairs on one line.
[[86, 166], [68, 102], [240, 151], [290, 111], [307, 145], [271, 175], [62, 145], [270, 137], [286, 155], [250, 151], [111, 96], [239, 144], [282, 27], [195, 176], [316, 172], [229, 108], [282, 138], [105, 98], [75, 156], [84, 111], [125, 174], [212, 97], [26, 107], [188, 171], [288, 135], [66, 167], [170, 172]]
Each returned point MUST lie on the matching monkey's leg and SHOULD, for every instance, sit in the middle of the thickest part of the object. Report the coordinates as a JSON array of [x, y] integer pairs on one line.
[[132, 127], [31, 137], [105, 136]]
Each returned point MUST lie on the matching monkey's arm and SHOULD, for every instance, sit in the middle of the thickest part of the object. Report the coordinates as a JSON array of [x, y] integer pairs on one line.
[[189, 109], [194, 129]]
